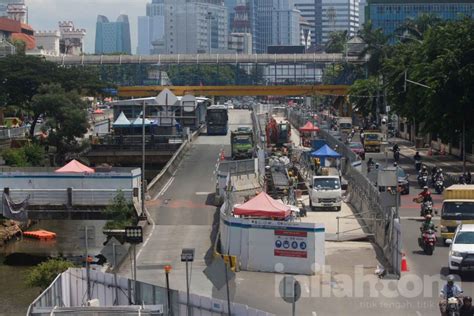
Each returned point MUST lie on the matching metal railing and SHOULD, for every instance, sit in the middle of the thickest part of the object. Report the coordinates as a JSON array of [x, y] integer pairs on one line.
[[14, 132]]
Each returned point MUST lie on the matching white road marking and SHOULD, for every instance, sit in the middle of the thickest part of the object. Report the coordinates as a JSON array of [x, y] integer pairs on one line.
[[153, 225], [165, 187], [203, 193]]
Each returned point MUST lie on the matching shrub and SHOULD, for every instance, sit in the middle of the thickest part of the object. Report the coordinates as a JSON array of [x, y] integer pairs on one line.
[[44, 274]]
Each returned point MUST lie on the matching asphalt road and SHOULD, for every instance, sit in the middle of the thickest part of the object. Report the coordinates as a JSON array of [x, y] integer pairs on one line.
[[185, 217], [430, 271]]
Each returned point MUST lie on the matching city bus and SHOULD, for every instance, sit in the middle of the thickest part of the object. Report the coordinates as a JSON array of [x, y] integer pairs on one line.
[[217, 120]]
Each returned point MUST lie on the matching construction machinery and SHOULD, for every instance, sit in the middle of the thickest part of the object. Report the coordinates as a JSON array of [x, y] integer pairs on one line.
[[278, 133]]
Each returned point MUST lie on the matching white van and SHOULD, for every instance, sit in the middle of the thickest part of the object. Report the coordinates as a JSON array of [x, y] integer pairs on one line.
[[325, 192]]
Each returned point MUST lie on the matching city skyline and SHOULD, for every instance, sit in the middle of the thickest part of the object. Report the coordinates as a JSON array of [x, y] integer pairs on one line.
[[84, 15]]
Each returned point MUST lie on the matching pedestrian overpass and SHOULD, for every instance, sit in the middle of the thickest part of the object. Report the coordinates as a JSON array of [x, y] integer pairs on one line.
[[237, 90]]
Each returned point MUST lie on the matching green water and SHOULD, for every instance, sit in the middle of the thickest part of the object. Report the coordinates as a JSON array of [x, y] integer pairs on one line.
[[15, 296]]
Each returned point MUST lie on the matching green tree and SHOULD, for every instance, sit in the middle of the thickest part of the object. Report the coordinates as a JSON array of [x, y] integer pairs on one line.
[[15, 157], [363, 95], [443, 61], [337, 42], [120, 211], [66, 118], [415, 28], [44, 274], [35, 154], [376, 47]]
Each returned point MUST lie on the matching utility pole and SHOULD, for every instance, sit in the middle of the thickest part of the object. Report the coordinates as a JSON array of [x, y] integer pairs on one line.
[[143, 158]]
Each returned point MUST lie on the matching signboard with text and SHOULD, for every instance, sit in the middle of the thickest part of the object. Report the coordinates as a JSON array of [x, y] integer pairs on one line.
[[290, 243]]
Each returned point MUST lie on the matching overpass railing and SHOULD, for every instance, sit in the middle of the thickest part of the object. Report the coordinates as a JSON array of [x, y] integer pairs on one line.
[[168, 59]]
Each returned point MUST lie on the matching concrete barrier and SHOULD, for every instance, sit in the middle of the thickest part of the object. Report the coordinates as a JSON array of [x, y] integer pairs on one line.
[[170, 168]]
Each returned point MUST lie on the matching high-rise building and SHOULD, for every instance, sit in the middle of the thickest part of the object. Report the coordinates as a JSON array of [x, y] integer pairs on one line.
[[195, 26], [362, 6], [306, 31], [230, 6], [311, 11], [112, 37], [339, 16], [390, 14], [273, 22], [71, 41], [151, 29]]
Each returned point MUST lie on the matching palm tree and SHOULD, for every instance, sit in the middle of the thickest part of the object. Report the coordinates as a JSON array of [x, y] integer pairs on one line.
[[416, 28], [376, 46], [337, 42]]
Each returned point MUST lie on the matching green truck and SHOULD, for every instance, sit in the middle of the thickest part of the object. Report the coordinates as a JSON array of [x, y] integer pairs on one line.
[[242, 143]]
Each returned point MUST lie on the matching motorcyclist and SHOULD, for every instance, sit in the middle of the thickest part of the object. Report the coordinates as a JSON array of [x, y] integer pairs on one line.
[[427, 224], [425, 195], [467, 177], [370, 164], [449, 290], [466, 309], [396, 152], [395, 148], [417, 159], [439, 175]]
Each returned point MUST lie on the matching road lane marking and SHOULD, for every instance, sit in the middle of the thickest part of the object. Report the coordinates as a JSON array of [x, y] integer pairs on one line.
[[203, 193], [165, 187], [153, 225]]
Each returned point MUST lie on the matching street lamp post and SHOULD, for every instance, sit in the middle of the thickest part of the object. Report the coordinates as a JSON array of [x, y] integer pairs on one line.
[[143, 159]]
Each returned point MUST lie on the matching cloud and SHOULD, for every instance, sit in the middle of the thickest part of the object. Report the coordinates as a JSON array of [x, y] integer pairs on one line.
[[45, 15]]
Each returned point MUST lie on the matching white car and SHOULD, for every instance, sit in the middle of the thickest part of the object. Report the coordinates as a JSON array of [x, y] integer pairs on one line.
[[461, 249]]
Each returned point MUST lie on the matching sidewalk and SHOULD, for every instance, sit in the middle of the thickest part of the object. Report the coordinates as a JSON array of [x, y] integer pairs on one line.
[[448, 163]]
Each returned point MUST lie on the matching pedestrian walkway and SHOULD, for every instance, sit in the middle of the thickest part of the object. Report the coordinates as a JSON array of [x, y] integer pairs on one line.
[[449, 163]]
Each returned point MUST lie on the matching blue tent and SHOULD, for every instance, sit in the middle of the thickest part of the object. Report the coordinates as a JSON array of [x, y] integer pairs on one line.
[[325, 152]]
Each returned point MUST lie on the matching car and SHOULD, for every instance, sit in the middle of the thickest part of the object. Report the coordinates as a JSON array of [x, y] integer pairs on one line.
[[358, 149], [461, 249], [403, 182]]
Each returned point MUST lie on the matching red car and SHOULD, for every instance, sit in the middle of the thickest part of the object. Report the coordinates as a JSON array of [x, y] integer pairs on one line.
[[358, 149]]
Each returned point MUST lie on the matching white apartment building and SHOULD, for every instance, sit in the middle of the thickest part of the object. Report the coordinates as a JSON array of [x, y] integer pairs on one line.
[[339, 15], [48, 41]]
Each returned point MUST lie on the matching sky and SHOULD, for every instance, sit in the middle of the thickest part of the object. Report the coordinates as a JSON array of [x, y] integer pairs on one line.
[[44, 15]]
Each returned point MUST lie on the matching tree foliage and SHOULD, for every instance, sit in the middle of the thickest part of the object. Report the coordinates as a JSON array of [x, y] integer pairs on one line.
[[29, 155], [210, 75], [363, 95], [120, 211], [337, 42], [444, 61], [44, 274], [66, 117]]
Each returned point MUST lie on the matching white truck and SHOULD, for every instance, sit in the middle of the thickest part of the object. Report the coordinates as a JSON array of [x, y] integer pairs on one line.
[[345, 124], [325, 192]]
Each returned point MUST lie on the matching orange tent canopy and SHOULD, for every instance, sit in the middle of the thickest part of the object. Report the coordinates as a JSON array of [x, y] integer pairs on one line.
[[263, 205], [75, 166], [309, 127]]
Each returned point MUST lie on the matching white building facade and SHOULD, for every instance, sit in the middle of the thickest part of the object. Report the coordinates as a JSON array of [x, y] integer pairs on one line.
[[338, 16], [195, 27], [48, 41]]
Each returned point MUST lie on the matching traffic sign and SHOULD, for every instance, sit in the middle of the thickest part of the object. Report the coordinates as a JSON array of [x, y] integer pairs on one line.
[[290, 289], [134, 234]]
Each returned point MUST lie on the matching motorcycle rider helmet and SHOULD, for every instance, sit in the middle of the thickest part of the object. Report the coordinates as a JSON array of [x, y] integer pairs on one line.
[[428, 217], [425, 188], [395, 164], [424, 167], [450, 279], [440, 170]]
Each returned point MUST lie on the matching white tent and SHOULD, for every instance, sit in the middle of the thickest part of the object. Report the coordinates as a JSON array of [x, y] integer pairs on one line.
[[139, 121], [122, 120]]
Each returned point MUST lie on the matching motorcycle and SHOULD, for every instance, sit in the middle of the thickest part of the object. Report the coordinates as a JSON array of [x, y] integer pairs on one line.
[[452, 307], [426, 208], [439, 186], [428, 241], [422, 180], [396, 155]]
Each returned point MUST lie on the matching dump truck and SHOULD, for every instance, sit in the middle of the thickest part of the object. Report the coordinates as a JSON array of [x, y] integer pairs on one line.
[[372, 140], [242, 143], [458, 208]]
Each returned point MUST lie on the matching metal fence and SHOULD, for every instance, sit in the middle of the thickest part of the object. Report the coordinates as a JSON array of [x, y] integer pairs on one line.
[[13, 132]]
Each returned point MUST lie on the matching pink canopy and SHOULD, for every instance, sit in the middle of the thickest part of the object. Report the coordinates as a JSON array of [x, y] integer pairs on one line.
[[309, 127], [263, 206], [75, 166]]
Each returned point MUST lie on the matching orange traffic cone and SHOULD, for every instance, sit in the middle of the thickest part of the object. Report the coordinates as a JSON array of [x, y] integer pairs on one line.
[[404, 263]]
